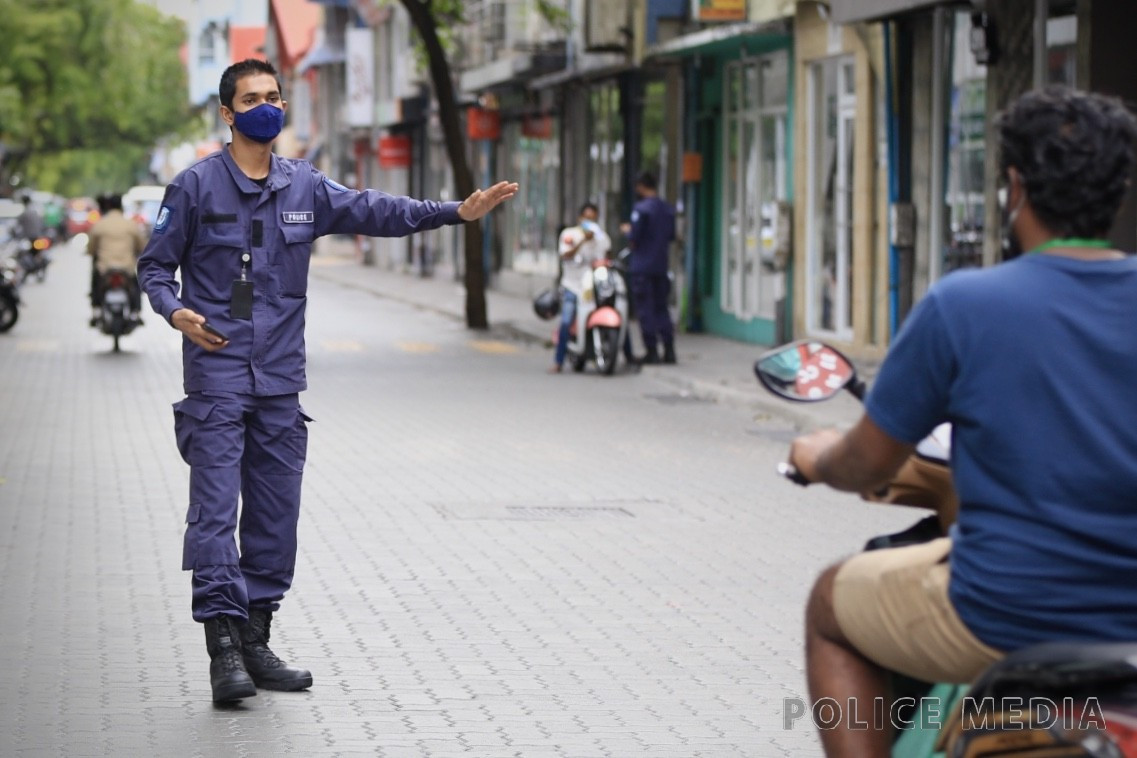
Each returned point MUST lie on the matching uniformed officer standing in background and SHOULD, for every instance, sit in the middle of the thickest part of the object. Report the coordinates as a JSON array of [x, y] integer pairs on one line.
[[650, 234], [240, 225]]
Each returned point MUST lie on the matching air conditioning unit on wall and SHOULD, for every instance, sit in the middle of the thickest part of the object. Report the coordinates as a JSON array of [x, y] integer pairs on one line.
[[607, 25]]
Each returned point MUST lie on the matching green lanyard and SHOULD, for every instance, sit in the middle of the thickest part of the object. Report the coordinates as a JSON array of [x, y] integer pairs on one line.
[[1073, 242]]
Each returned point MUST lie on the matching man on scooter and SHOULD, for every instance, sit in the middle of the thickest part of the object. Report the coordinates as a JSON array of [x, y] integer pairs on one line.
[[29, 224], [115, 242], [580, 245], [1032, 361]]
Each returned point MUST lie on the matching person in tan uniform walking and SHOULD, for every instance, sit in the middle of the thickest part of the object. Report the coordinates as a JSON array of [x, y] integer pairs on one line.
[[114, 242]]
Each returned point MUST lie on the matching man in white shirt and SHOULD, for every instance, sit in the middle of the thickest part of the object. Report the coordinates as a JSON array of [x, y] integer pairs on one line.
[[580, 245]]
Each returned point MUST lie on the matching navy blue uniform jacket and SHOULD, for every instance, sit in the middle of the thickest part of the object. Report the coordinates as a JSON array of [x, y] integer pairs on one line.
[[653, 229], [212, 215]]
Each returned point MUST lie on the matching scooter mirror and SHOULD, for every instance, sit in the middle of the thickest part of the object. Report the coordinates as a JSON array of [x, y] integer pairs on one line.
[[806, 371]]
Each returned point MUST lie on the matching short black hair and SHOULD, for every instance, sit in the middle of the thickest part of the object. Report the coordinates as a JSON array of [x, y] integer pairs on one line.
[[239, 70], [589, 206], [113, 202], [647, 179], [1074, 152]]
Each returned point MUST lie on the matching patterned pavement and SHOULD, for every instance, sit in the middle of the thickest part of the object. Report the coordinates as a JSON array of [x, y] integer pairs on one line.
[[493, 561]]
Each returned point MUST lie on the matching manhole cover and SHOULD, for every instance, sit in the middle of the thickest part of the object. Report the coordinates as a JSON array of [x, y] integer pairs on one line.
[[543, 513], [679, 398], [605, 510]]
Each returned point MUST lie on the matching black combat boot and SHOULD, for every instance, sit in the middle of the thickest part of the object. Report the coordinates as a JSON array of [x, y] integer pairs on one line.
[[226, 667], [669, 352], [268, 671], [651, 356]]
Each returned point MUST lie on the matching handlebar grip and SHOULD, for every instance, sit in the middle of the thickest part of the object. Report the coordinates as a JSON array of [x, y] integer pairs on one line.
[[789, 471]]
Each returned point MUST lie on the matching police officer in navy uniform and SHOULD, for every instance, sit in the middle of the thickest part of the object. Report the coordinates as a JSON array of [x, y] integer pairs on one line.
[[240, 225], [649, 235]]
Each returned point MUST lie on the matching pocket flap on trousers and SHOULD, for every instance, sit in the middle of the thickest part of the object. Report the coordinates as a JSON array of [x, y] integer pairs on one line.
[[194, 408]]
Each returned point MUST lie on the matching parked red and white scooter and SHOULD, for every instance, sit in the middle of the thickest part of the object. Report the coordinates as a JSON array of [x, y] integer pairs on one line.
[[601, 317]]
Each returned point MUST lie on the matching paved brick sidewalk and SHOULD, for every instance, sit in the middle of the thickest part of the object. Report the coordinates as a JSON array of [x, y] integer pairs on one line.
[[494, 561]]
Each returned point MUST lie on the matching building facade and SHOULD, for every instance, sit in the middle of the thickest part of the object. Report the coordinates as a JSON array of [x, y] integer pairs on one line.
[[947, 70], [733, 153], [829, 159]]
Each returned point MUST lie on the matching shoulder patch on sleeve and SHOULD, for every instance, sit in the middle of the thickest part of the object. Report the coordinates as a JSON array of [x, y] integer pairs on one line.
[[335, 185], [163, 219]]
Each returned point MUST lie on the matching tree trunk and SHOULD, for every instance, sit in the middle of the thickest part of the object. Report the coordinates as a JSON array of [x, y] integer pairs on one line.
[[427, 27]]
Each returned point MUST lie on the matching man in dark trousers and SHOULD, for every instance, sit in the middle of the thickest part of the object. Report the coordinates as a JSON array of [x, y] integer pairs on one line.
[[650, 234], [240, 225]]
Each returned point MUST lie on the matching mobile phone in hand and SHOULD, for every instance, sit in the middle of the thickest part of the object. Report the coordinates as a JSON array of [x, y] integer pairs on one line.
[[214, 331]]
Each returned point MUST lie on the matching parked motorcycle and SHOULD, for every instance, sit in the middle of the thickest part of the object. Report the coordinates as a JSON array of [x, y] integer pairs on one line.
[[1053, 699], [116, 316], [9, 294], [601, 318]]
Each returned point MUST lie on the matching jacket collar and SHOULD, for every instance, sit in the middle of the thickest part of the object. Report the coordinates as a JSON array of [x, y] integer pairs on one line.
[[277, 178]]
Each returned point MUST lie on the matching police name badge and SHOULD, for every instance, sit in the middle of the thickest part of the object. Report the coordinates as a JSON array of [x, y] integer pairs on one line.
[[298, 217]]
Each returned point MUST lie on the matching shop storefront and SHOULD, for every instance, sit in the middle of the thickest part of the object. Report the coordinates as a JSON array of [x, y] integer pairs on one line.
[[840, 193], [530, 155], [739, 135]]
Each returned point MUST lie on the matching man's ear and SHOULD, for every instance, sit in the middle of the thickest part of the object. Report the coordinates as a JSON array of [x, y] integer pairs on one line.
[[284, 105], [1015, 188], [226, 115]]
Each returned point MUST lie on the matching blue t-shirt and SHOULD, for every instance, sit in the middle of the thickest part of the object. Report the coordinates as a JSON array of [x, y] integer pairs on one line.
[[1035, 363]]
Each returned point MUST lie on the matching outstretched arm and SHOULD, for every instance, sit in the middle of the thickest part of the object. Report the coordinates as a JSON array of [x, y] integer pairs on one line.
[[340, 210]]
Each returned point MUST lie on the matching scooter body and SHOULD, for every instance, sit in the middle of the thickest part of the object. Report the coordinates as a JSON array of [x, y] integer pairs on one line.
[[601, 319], [116, 316], [1073, 699], [34, 256]]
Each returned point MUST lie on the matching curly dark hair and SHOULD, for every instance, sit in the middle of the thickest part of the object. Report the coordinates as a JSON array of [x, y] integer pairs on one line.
[[1074, 153], [227, 89]]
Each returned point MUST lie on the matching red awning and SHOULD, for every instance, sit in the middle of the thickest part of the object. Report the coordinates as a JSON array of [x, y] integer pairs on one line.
[[295, 22], [246, 42]]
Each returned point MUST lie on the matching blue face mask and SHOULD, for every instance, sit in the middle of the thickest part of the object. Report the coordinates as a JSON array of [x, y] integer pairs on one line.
[[260, 124]]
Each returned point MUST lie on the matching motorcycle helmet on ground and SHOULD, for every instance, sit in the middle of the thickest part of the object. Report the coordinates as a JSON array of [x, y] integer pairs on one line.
[[547, 304]]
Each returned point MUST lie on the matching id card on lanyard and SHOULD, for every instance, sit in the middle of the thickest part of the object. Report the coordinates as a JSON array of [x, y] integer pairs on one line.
[[241, 299]]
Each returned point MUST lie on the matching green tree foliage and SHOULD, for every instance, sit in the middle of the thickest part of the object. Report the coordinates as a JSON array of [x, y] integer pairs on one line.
[[88, 173], [86, 85]]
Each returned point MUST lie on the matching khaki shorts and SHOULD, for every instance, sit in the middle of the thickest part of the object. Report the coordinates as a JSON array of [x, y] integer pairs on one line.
[[892, 604]]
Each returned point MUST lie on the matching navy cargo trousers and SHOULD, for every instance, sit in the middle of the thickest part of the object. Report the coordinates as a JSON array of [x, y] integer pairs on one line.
[[252, 449]]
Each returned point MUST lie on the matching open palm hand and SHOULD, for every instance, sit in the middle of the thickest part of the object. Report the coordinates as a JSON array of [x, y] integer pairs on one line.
[[482, 202]]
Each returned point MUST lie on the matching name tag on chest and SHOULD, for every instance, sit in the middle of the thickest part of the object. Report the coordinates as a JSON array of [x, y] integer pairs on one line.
[[298, 217]]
